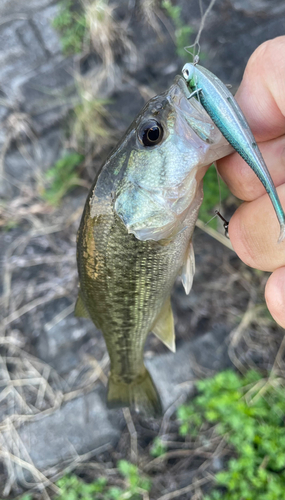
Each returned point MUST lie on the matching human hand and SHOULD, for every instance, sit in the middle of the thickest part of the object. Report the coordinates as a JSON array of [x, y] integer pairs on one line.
[[254, 228]]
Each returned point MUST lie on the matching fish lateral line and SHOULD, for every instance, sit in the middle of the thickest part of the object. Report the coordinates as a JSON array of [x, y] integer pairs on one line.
[[222, 107]]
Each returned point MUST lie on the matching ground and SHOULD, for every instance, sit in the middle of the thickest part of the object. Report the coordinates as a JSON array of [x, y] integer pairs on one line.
[[54, 366]]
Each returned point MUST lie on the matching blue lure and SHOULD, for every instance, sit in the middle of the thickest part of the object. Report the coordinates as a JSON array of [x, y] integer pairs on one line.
[[228, 117]]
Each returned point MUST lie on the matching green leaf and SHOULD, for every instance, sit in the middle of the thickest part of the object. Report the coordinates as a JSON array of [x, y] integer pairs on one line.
[[61, 177], [126, 468], [158, 447], [215, 191], [71, 25], [115, 493], [255, 432]]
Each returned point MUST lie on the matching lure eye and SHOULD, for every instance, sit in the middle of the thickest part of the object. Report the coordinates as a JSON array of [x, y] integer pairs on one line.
[[188, 71], [151, 133], [185, 74]]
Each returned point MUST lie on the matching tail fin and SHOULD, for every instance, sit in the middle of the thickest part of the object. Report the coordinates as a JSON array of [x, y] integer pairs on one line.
[[140, 394]]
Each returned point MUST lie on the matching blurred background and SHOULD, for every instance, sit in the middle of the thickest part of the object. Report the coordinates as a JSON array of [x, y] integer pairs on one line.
[[73, 76]]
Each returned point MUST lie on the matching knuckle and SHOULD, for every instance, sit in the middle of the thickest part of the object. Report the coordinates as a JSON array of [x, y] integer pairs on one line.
[[248, 187]]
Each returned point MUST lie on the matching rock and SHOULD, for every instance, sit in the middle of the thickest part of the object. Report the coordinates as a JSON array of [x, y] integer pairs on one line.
[[17, 58], [84, 423], [211, 350], [3, 113], [174, 373], [254, 7], [44, 119], [42, 154], [35, 78], [49, 88], [18, 7], [43, 21], [59, 345], [78, 427]]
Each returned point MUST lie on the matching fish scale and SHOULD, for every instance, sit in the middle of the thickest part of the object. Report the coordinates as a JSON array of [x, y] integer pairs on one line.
[[144, 283], [135, 236]]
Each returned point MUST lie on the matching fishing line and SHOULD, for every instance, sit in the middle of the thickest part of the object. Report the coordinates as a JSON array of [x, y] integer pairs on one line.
[[216, 215], [219, 185], [195, 56], [212, 218], [198, 36], [217, 212]]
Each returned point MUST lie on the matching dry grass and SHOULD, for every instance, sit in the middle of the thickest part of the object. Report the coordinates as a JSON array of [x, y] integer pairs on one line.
[[17, 126], [31, 388], [150, 11], [109, 38], [90, 132]]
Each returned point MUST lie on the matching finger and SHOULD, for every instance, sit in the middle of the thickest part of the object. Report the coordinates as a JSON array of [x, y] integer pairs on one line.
[[275, 295], [262, 98], [262, 91], [241, 179], [254, 231]]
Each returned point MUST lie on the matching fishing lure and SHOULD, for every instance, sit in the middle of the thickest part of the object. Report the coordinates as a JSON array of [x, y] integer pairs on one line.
[[228, 117]]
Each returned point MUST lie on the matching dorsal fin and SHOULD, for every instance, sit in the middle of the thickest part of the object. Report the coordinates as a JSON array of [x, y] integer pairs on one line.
[[164, 326]]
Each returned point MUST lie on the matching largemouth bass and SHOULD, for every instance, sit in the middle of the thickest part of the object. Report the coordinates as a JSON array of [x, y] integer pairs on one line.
[[229, 118], [135, 235]]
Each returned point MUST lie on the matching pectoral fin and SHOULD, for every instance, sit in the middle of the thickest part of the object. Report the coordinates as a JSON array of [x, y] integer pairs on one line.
[[80, 310], [188, 269], [164, 326]]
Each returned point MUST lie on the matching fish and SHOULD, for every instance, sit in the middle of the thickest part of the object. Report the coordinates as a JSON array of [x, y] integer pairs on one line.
[[135, 236], [230, 120]]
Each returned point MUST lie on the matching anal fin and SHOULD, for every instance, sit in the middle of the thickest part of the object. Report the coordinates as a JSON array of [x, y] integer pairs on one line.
[[164, 326], [188, 269]]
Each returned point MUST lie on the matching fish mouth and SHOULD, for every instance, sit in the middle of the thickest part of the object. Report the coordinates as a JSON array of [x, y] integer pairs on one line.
[[194, 117], [179, 97], [178, 80]]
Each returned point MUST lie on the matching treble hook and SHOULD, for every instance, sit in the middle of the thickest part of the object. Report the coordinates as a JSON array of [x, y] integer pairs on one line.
[[226, 223]]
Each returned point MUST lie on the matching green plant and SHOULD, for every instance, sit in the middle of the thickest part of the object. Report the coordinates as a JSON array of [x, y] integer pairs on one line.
[[71, 24], [61, 177], [89, 129], [215, 191], [10, 224], [74, 488], [182, 31], [158, 447], [136, 485], [249, 413]]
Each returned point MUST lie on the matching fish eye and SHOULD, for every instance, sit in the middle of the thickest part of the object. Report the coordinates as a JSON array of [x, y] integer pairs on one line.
[[151, 133]]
